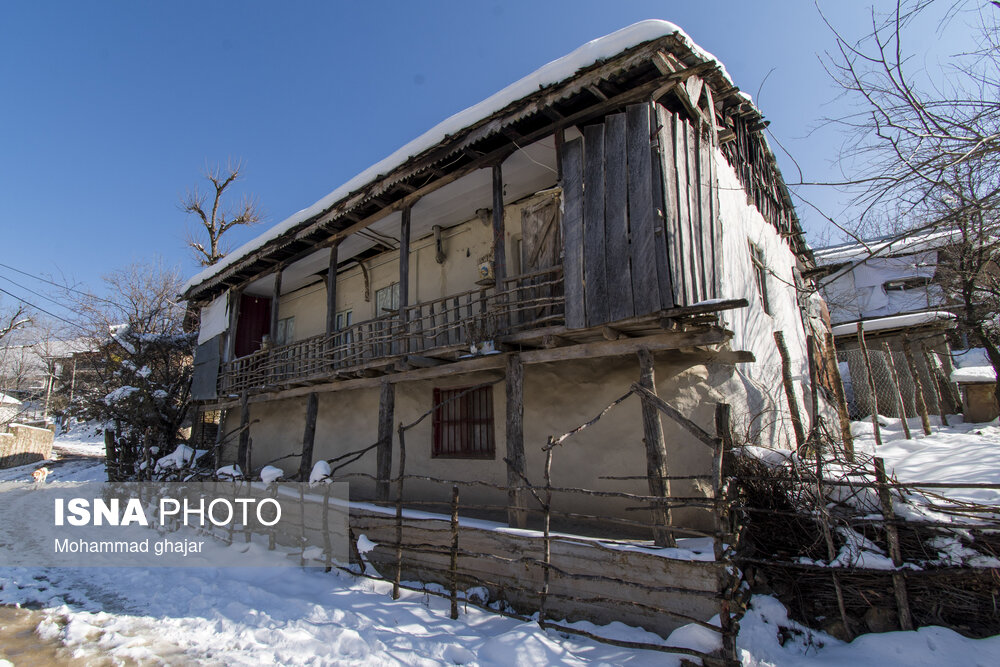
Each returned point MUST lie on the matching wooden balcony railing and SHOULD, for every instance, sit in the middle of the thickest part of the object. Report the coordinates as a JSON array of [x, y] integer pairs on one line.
[[525, 302]]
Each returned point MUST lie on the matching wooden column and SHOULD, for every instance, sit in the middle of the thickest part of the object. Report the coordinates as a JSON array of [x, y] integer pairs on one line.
[[899, 389], [656, 453], [499, 247], [275, 298], [516, 516], [305, 463], [404, 275], [331, 290], [235, 297], [383, 464], [243, 452], [786, 380]]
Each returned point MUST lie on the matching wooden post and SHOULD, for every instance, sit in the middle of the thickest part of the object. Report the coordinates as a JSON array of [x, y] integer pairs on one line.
[[786, 380], [871, 383], [453, 570], [918, 387], [813, 388], [331, 290], [546, 535], [275, 298], [235, 297], [724, 444], [386, 404], [843, 414], [399, 512], [892, 536], [656, 453], [404, 277], [935, 376], [305, 463], [899, 390], [516, 516], [823, 516], [243, 453], [219, 434], [499, 240]]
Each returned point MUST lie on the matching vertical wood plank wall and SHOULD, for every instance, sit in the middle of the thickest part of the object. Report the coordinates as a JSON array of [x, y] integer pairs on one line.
[[640, 227]]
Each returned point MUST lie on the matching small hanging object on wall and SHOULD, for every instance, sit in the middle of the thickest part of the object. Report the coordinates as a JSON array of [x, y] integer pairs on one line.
[[439, 255], [486, 277]]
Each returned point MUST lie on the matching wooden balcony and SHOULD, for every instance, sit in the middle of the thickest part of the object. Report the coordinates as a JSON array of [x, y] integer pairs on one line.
[[442, 329]]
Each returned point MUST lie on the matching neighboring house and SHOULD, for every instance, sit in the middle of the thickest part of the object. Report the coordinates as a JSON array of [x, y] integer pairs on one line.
[[10, 408], [618, 199], [892, 287]]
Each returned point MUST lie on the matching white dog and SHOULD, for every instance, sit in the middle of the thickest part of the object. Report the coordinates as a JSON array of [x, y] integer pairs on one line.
[[40, 475]]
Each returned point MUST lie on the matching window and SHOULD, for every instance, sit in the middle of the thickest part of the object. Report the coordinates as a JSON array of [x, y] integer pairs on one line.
[[760, 275], [906, 284], [286, 331], [463, 423], [344, 319], [387, 300]]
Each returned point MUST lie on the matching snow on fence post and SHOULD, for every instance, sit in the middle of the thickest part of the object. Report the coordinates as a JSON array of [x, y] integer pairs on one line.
[[918, 389], [453, 570], [899, 389], [786, 380], [871, 383], [892, 536]]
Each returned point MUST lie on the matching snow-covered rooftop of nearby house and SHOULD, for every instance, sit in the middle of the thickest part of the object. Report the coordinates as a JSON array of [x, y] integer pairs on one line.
[[895, 322], [552, 73], [974, 374], [884, 247], [8, 400]]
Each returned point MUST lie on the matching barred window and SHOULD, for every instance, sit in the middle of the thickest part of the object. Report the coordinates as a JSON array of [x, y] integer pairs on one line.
[[463, 423]]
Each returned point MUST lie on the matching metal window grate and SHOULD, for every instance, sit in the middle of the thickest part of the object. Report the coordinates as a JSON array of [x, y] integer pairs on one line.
[[463, 424]]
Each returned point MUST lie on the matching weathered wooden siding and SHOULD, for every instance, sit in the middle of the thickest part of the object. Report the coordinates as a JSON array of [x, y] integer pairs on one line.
[[640, 224]]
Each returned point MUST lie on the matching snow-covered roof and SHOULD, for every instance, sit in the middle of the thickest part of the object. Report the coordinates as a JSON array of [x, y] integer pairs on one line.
[[885, 246], [895, 322], [555, 72], [8, 400]]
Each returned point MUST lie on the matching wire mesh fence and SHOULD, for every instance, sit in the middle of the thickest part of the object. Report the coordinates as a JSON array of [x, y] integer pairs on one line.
[[897, 380]]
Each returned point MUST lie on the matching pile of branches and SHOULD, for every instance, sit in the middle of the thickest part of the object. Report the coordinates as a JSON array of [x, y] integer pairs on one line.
[[812, 532]]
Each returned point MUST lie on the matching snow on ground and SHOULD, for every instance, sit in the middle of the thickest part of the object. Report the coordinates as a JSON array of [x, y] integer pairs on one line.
[[958, 453], [291, 616]]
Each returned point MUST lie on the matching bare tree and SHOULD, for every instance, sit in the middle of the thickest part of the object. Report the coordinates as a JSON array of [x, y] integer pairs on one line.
[[216, 218], [926, 144]]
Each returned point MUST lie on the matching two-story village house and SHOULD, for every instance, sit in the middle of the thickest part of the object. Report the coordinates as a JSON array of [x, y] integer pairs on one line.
[[618, 205]]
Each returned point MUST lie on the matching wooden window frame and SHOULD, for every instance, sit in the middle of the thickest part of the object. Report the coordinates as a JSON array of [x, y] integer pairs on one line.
[[759, 268], [462, 424]]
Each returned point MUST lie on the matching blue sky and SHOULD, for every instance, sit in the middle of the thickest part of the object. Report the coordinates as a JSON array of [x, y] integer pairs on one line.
[[109, 111]]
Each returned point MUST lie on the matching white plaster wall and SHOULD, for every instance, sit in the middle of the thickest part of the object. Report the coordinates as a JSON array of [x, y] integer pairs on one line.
[[754, 329]]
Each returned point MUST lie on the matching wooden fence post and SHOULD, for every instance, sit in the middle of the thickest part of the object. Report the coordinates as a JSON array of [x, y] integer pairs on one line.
[[843, 413], [899, 390], [823, 517], [918, 391], [305, 463], [724, 440], [786, 380], [546, 535], [871, 383], [454, 551], [383, 465], [656, 454], [935, 375], [516, 516], [399, 512], [892, 537]]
